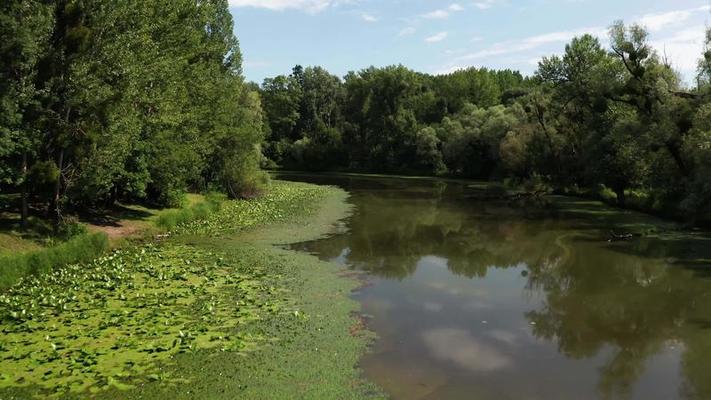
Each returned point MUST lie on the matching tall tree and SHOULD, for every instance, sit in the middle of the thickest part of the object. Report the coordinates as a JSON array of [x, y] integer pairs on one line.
[[25, 29]]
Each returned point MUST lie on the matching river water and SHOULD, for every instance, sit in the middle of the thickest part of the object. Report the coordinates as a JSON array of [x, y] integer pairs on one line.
[[490, 299]]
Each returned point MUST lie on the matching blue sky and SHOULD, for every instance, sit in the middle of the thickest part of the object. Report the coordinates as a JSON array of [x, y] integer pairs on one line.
[[440, 36]]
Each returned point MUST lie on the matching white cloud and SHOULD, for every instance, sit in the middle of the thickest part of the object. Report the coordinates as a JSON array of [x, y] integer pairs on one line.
[[465, 350], [437, 37], [679, 41], [410, 30], [310, 6], [456, 7], [443, 12], [532, 42], [368, 17], [485, 4], [677, 34], [683, 48], [657, 22], [449, 69], [436, 14]]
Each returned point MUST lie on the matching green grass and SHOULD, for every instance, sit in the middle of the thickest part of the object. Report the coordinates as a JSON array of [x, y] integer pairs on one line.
[[13, 239], [197, 209], [80, 249], [11, 243], [38, 249], [217, 312]]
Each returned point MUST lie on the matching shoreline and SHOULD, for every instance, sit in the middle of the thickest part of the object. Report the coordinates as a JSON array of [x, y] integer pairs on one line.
[[704, 223], [291, 335]]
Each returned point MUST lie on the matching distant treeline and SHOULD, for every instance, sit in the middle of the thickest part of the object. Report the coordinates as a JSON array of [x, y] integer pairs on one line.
[[107, 100], [616, 122]]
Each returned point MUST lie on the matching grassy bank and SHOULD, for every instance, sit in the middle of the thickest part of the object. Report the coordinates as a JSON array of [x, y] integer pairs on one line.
[[79, 249], [216, 312], [39, 250]]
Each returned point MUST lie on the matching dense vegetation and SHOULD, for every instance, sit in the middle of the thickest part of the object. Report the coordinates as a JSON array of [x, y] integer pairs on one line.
[[144, 100], [176, 319], [133, 100], [617, 123]]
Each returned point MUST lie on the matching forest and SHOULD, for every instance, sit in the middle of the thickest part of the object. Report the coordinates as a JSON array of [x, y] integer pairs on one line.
[[171, 230], [146, 100], [137, 101], [614, 123]]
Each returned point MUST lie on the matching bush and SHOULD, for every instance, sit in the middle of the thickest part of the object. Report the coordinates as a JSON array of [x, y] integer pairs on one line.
[[639, 199], [71, 228], [170, 219], [607, 195], [537, 183], [82, 248]]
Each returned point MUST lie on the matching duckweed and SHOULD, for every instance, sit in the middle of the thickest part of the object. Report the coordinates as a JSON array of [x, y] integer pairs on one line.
[[122, 321]]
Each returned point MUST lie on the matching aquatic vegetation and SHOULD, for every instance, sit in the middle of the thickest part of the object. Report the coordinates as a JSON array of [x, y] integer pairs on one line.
[[284, 202], [122, 321], [82, 248], [110, 322]]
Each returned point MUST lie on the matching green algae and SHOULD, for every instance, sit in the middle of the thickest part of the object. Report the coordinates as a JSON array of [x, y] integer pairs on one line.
[[118, 318], [215, 312]]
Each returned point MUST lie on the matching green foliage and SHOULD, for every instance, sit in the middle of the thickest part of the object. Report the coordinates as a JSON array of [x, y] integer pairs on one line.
[[481, 87], [607, 195], [168, 317], [591, 117], [170, 219], [473, 139], [115, 101], [373, 120], [81, 248]]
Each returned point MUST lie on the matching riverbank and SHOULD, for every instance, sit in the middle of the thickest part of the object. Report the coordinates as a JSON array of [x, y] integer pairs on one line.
[[39, 249], [635, 201], [216, 311]]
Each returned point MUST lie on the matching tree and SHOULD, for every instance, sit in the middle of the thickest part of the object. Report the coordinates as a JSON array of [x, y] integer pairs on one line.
[[129, 100], [25, 29]]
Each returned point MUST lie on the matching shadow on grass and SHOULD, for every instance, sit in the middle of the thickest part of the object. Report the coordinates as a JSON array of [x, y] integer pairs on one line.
[[37, 230], [113, 216]]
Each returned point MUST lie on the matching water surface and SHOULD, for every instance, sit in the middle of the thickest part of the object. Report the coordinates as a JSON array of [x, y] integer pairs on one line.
[[491, 299]]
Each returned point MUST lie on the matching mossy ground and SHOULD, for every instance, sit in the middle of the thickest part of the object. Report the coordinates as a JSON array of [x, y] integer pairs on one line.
[[216, 312]]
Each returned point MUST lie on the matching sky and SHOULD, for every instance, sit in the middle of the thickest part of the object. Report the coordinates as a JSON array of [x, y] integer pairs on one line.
[[437, 37]]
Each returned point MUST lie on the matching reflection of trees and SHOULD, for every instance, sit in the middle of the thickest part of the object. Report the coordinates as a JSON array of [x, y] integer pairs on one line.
[[595, 299], [697, 341], [389, 235], [632, 306]]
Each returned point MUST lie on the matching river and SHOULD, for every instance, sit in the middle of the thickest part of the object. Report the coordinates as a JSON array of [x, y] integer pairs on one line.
[[492, 299]]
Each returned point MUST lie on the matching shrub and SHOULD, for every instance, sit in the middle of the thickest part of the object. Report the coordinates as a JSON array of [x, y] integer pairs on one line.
[[537, 183], [71, 228], [170, 219], [607, 195], [639, 199]]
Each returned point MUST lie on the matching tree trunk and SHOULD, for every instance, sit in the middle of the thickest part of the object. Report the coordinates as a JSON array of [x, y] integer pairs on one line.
[[23, 206], [675, 152], [621, 199], [57, 211]]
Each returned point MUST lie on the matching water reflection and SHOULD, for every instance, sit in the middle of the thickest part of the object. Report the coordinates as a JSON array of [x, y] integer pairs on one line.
[[499, 300]]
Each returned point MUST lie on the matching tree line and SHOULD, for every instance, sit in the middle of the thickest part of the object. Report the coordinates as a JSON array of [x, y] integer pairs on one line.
[[135, 100], [616, 122], [142, 100]]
